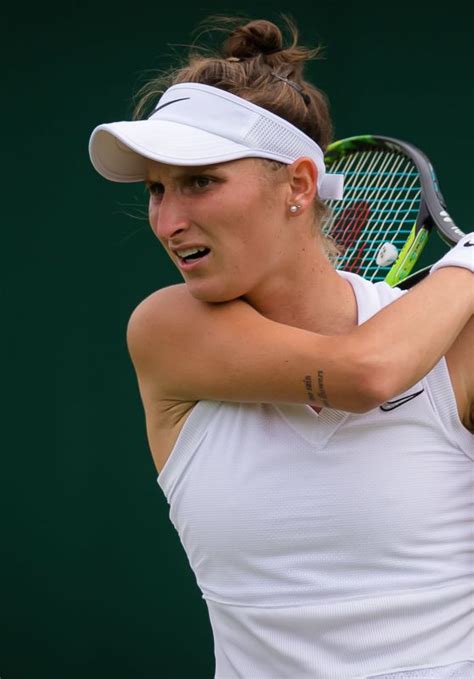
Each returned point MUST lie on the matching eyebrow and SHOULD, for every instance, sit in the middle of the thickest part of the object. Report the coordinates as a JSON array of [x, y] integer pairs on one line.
[[186, 170]]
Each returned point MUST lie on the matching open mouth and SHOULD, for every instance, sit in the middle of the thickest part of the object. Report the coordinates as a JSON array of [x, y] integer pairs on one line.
[[188, 258], [198, 253]]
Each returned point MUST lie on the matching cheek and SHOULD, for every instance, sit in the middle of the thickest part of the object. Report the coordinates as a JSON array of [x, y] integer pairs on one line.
[[254, 236]]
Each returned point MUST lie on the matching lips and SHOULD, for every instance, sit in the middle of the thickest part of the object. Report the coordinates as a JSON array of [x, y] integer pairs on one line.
[[180, 247], [191, 253], [192, 263]]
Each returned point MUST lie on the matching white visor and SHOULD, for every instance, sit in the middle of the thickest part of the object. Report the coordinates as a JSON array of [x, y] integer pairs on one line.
[[196, 124]]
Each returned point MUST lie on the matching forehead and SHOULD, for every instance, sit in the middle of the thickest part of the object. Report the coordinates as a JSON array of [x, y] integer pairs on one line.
[[155, 169]]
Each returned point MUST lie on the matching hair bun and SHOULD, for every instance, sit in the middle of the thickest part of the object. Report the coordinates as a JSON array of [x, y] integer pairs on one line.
[[256, 37]]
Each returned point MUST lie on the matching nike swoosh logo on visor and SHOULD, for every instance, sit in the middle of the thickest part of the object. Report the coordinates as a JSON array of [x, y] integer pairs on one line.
[[468, 244], [168, 103], [391, 405]]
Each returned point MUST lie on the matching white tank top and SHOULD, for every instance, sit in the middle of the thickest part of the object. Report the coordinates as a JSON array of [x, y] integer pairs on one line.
[[332, 546]]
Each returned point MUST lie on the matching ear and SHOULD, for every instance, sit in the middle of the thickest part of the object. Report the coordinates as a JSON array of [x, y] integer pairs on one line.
[[303, 176]]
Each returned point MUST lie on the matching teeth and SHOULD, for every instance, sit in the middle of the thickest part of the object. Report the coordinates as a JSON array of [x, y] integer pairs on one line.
[[191, 251]]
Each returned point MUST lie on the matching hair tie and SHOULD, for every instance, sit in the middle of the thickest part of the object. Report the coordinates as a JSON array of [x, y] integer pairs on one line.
[[232, 59], [295, 86]]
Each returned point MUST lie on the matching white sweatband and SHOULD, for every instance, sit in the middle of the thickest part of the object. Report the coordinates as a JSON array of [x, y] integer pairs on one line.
[[462, 254]]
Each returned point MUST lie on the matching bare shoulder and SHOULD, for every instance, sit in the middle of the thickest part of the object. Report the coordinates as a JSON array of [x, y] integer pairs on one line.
[[155, 310], [460, 361], [150, 332], [172, 308], [149, 323], [170, 324], [183, 348]]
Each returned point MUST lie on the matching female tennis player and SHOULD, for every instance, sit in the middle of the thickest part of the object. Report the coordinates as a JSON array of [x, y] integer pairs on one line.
[[312, 430]]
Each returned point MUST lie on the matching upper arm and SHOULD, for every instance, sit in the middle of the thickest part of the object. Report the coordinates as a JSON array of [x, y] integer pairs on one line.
[[189, 350], [460, 360]]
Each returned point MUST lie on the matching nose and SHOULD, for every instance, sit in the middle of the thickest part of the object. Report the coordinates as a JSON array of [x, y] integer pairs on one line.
[[169, 217]]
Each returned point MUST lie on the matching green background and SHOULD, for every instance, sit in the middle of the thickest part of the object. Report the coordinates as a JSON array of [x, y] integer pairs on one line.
[[94, 580]]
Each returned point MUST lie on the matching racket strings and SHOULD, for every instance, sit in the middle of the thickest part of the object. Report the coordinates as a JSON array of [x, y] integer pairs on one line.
[[400, 190], [351, 220], [381, 202], [366, 237]]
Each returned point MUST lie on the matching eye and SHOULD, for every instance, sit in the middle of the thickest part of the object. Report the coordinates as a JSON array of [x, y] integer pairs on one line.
[[200, 182], [156, 190]]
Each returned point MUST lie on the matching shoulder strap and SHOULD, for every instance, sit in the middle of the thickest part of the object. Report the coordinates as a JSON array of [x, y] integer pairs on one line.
[[371, 297], [441, 394]]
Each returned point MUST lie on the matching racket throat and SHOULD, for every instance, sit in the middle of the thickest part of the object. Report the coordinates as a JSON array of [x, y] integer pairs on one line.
[[408, 256]]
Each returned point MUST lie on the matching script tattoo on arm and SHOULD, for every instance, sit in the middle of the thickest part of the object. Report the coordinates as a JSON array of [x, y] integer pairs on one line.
[[322, 391], [308, 383]]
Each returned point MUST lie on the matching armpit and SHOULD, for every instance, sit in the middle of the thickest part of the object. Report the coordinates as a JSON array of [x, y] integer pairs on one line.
[[460, 362]]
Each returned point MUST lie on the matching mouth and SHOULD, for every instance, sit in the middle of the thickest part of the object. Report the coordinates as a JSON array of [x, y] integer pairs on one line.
[[193, 260]]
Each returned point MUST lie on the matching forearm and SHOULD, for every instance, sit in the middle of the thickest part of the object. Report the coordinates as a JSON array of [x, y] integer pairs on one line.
[[406, 339]]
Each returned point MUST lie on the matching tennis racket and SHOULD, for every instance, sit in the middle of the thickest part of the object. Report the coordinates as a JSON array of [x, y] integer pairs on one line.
[[392, 204]]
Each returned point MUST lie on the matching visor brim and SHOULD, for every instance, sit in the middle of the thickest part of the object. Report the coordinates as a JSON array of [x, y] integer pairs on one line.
[[119, 151]]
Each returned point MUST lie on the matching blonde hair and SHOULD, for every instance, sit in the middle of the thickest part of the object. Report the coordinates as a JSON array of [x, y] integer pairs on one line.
[[254, 63]]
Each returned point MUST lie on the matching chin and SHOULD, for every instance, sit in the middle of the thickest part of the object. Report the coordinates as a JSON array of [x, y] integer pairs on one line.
[[211, 293]]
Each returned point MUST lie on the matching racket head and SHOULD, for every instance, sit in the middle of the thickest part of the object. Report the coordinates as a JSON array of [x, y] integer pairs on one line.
[[392, 202]]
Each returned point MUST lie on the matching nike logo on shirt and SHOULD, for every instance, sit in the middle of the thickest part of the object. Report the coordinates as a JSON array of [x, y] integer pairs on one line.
[[468, 244], [391, 405]]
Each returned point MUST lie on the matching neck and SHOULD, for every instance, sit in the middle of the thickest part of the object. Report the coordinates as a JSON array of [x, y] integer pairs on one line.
[[311, 296]]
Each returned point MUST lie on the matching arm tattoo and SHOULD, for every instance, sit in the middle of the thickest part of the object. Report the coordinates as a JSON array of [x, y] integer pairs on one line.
[[322, 391], [308, 383]]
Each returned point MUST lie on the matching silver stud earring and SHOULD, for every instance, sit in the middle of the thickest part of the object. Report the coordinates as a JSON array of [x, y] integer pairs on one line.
[[294, 208]]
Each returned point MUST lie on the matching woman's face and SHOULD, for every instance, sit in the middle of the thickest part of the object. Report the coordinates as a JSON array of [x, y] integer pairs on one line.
[[236, 213]]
